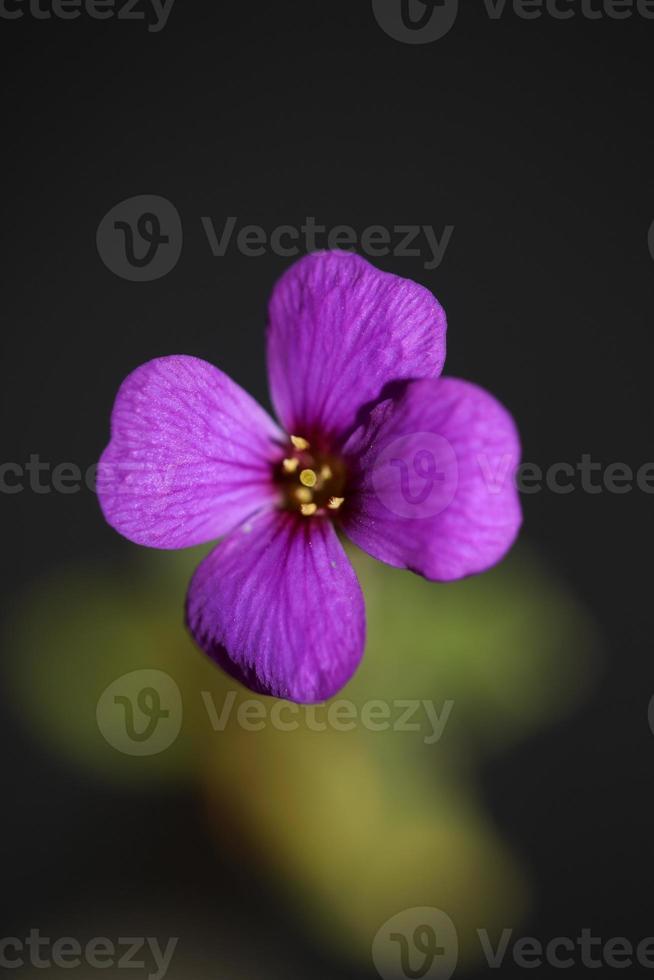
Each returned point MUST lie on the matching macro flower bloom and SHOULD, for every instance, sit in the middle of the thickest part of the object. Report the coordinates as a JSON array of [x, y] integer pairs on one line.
[[415, 469]]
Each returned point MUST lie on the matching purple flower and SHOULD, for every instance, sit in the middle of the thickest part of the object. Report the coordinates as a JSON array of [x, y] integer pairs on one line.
[[415, 469]]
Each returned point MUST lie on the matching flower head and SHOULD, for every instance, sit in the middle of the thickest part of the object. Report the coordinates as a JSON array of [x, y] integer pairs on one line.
[[415, 469]]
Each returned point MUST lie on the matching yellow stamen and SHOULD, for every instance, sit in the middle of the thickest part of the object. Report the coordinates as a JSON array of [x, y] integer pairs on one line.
[[308, 510], [326, 472], [308, 478], [304, 495], [336, 502], [290, 465], [299, 443]]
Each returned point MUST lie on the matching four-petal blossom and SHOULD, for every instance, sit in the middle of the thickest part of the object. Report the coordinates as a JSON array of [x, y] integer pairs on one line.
[[416, 469]]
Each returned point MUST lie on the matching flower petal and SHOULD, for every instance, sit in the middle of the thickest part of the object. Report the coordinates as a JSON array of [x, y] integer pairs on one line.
[[434, 480], [189, 457], [340, 331], [278, 605]]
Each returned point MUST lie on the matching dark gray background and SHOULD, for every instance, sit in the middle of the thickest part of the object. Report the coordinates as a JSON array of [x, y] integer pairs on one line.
[[534, 139]]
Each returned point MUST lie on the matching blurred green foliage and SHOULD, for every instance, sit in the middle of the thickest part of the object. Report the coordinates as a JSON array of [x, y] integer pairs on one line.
[[351, 826]]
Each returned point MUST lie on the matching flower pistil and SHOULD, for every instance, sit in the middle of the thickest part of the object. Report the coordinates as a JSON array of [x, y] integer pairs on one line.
[[312, 483]]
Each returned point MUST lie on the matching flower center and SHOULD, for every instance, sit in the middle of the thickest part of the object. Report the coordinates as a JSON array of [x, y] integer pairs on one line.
[[311, 482]]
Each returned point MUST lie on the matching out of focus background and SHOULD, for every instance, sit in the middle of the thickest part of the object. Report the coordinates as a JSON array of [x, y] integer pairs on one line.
[[517, 796]]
